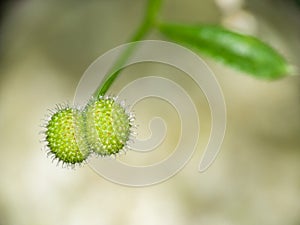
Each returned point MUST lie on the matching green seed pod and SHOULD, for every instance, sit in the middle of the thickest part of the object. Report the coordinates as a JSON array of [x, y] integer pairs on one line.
[[107, 126], [65, 137]]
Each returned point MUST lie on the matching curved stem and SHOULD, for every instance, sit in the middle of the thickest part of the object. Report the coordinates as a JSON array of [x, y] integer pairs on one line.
[[148, 22]]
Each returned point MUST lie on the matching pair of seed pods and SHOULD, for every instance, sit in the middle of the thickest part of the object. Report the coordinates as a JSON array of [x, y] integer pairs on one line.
[[103, 127]]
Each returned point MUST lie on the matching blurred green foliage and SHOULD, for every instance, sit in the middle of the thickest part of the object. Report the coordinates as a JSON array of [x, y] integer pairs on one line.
[[243, 52]]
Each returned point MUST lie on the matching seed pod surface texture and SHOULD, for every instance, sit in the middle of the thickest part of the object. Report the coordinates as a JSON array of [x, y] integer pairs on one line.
[[107, 126], [65, 138]]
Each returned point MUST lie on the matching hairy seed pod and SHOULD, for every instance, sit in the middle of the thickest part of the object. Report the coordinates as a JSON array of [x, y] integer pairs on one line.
[[107, 126], [65, 137]]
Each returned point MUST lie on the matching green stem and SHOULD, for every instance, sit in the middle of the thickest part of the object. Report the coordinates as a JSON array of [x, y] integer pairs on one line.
[[146, 25]]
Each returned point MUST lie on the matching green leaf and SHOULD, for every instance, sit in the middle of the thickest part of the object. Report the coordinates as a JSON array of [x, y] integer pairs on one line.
[[243, 52]]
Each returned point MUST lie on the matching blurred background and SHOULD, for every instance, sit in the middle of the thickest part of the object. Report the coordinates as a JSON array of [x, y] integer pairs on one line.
[[45, 47]]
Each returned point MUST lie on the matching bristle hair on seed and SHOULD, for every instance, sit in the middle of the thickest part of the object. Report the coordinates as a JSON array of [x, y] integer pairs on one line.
[[64, 138], [108, 125], [103, 128]]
